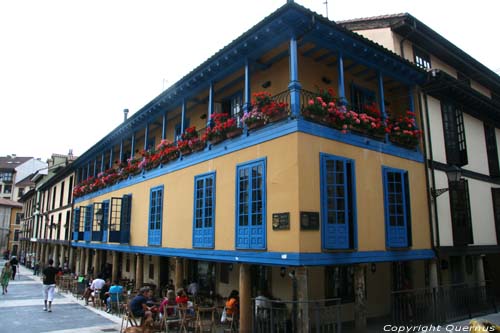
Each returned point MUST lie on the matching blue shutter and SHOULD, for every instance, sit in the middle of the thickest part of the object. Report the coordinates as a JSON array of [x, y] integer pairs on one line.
[[251, 205], [396, 206], [155, 215], [125, 219], [87, 236], [337, 202], [204, 211], [76, 223], [105, 220]]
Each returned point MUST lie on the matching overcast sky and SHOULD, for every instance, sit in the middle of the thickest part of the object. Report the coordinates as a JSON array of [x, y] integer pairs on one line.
[[68, 68]]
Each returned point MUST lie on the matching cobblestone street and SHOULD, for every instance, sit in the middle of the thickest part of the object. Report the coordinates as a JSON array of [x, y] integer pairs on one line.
[[22, 310]]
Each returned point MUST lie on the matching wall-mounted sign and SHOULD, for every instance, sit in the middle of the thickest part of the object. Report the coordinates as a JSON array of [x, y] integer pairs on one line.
[[309, 221], [281, 221]]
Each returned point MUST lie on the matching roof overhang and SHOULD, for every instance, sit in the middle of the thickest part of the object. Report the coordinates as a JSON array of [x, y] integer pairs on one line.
[[290, 20], [444, 86]]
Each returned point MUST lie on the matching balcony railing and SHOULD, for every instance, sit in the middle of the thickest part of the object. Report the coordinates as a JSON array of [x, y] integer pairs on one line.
[[442, 305], [332, 114]]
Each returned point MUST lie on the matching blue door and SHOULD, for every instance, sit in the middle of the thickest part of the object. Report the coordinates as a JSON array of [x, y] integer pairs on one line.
[[337, 202], [105, 220], [87, 235], [251, 202], [397, 211], [204, 211]]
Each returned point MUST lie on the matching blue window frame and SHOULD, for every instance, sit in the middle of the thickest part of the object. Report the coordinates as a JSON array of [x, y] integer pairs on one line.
[[96, 227], [155, 215], [76, 224], [251, 205], [360, 97], [204, 211], [338, 202], [105, 220], [397, 207], [88, 214]]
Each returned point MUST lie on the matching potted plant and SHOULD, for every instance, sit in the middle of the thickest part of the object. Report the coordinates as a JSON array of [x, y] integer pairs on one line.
[[190, 141], [254, 119], [320, 108], [272, 111], [403, 131]]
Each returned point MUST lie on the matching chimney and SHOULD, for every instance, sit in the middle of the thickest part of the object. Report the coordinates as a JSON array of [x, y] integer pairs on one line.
[[70, 153], [125, 115]]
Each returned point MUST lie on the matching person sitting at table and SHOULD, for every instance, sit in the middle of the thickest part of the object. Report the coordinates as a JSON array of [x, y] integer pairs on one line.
[[95, 287], [169, 300], [181, 298], [115, 295], [138, 305], [232, 303]]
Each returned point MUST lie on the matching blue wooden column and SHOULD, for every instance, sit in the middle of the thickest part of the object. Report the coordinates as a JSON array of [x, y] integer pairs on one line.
[[340, 68], [247, 101], [88, 170], [411, 91], [102, 161], [111, 158], [164, 127], [183, 116], [294, 86], [132, 146], [146, 137], [121, 151], [381, 97], [95, 167], [210, 103]]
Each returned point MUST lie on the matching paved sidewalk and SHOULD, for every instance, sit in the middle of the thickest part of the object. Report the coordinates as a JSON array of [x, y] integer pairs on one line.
[[22, 310]]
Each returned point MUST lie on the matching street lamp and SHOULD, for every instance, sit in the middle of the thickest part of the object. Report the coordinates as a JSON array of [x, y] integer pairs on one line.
[[454, 174]]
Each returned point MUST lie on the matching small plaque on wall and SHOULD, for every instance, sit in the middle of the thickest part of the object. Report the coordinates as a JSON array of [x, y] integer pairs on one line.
[[309, 221], [281, 221]]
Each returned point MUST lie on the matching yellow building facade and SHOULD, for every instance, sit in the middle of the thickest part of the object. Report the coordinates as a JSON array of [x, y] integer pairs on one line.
[[312, 206]]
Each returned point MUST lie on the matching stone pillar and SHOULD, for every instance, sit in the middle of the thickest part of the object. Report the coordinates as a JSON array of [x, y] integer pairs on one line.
[[433, 274], [41, 253], [139, 271], [245, 299], [87, 261], [133, 265], [114, 271], [47, 253], [179, 272], [71, 260], [302, 296], [95, 262], [55, 255], [480, 271], [359, 298]]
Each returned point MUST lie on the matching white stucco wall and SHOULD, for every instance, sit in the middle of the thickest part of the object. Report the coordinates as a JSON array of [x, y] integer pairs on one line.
[[443, 208], [476, 145], [483, 222], [436, 128]]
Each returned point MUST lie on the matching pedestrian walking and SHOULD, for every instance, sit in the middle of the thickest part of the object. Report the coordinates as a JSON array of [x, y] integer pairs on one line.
[[49, 285], [13, 263], [5, 277]]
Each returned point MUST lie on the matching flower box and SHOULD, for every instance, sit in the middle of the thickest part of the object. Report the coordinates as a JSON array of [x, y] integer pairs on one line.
[[216, 139], [256, 124], [278, 117], [234, 133], [198, 145]]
